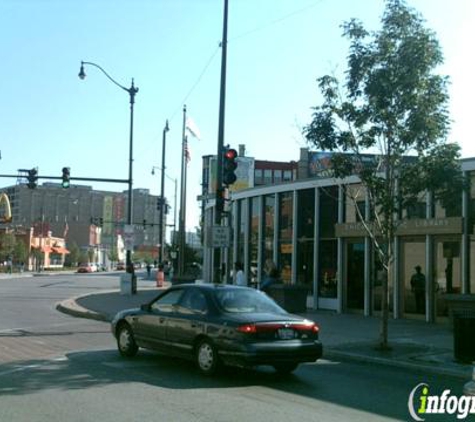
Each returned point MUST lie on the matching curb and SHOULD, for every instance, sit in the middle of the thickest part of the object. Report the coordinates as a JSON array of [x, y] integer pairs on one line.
[[70, 307], [356, 357]]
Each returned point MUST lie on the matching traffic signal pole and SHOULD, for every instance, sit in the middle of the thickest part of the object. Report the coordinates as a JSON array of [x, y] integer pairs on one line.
[[219, 163]]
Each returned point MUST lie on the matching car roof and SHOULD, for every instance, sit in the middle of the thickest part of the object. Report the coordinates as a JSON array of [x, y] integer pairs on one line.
[[209, 286]]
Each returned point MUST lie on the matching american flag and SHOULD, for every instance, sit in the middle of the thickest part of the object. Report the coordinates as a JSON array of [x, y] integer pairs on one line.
[[187, 151]]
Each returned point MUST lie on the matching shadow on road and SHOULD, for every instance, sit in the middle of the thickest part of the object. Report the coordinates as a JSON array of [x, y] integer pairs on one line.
[[377, 390]]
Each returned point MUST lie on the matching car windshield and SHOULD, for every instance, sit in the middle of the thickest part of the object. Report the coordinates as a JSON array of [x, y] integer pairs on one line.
[[246, 301]]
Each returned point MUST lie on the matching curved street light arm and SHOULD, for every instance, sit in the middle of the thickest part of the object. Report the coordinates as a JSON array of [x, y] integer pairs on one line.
[[82, 74]]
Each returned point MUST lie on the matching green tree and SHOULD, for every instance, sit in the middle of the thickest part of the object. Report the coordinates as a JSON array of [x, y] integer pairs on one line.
[[393, 105], [20, 252], [7, 246], [72, 259]]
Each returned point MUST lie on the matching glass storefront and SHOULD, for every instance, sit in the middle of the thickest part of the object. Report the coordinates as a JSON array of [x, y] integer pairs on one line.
[[253, 240], [328, 245], [268, 235], [355, 274], [413, 254], [305, 237], [285, 246]]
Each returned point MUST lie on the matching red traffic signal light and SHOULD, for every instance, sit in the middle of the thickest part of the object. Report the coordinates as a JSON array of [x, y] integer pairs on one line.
[[229, 166]]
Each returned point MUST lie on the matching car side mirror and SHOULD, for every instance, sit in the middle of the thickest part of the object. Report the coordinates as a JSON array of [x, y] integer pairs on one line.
[[146, 307]]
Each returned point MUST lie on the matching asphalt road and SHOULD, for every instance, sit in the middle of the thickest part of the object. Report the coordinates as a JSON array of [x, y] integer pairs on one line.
[[54, 367]]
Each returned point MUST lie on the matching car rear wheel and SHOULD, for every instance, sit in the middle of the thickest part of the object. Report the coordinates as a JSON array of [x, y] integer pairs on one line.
[[207, 357], [285, 368], [126, 342]]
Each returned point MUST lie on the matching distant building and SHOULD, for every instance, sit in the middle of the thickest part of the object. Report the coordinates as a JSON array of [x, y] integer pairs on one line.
[[90, 218]]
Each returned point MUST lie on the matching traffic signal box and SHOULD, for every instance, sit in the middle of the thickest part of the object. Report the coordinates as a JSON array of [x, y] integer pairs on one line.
[[66, 176], [32, 178], [229, 166]]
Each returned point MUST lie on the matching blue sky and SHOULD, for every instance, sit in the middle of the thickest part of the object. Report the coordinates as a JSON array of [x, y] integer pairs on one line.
[[277, 49]]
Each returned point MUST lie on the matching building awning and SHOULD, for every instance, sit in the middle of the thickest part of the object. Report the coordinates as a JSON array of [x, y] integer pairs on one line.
[[44, 249], [61, 250]]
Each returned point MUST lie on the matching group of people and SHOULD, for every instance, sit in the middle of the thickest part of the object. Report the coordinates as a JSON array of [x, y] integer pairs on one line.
[[271, 275]]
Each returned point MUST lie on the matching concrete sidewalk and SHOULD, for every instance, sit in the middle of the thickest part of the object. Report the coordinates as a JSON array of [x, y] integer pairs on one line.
[[415, 344]]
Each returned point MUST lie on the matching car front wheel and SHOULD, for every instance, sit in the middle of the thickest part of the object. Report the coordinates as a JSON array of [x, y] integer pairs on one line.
[[126, 342], [207, 357]]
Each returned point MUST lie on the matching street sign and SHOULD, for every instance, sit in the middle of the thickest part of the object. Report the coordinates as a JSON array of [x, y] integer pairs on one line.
[[129, 237], [221, 237]]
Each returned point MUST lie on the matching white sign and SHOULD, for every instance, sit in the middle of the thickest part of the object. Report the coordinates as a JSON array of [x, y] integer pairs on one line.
[[129, 237], [221, 237]]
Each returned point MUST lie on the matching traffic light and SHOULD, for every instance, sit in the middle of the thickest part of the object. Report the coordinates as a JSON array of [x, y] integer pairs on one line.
[[32, 178], [229, 166], [159, 203], [66, 175], [220, 194]]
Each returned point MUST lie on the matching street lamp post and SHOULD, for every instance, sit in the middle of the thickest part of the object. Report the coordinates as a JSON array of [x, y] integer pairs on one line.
[[131, 91], [162, 194]]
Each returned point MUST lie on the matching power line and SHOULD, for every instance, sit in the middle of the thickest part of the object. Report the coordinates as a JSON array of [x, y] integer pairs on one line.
[[276, 21]]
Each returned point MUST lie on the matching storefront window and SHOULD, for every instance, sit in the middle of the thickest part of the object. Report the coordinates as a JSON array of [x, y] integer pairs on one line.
[[268, 238], [254, 240], [241, 225], [413, 255], [305, 236], [285, 236], [328, 249], [327, 284]]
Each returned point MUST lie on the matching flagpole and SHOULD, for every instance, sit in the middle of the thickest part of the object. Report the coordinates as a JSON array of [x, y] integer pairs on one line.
[[182, 222], [161, 227]]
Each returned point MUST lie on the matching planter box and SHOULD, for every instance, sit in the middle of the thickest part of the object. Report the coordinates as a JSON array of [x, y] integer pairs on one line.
[[293, 298]]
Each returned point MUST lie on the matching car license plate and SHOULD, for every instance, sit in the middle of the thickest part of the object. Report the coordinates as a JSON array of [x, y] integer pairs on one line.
[[286, 333]]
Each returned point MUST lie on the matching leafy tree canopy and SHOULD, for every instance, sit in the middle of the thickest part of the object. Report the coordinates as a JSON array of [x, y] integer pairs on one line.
[[392, 104]]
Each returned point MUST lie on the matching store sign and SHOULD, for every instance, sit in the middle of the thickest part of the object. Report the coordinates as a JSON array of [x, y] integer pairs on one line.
[[5, 209], [432, 226]]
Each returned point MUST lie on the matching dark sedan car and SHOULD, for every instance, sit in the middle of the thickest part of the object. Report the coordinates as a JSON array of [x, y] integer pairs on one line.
[[218, 324]]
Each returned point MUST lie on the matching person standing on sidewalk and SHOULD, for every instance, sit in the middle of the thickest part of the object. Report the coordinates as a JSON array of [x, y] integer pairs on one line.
[[240, 276], [160, 276], [418, 287]]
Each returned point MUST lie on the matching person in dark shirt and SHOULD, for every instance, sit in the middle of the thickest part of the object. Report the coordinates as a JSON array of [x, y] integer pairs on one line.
[[418, 287]]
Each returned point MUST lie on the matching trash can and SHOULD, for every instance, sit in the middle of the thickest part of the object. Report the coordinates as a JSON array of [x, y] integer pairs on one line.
[[293, 298], [464, 335]]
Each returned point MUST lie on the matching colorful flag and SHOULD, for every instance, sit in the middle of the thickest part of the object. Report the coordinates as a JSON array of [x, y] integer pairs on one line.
[[192, 128], [66, 229], [187, 151]]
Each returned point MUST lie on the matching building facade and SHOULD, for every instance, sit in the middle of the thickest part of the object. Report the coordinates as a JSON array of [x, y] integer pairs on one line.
[[312, 232], [90, 218]]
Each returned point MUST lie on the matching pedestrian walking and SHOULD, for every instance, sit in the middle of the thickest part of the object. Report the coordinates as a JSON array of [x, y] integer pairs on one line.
[[160, 276]]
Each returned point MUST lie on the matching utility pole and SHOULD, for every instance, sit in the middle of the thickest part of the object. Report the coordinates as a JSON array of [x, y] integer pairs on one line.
[[219, 154]]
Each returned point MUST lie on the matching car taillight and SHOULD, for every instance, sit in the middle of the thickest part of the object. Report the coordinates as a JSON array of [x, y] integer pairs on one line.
[[247, 329], [307, 326]]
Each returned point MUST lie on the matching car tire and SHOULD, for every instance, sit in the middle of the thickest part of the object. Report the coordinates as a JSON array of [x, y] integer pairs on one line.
[[207, 358], [285, 368], [125, 341]]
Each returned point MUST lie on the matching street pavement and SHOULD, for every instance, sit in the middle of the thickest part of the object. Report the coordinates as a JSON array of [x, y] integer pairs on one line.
[[415, 344]]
